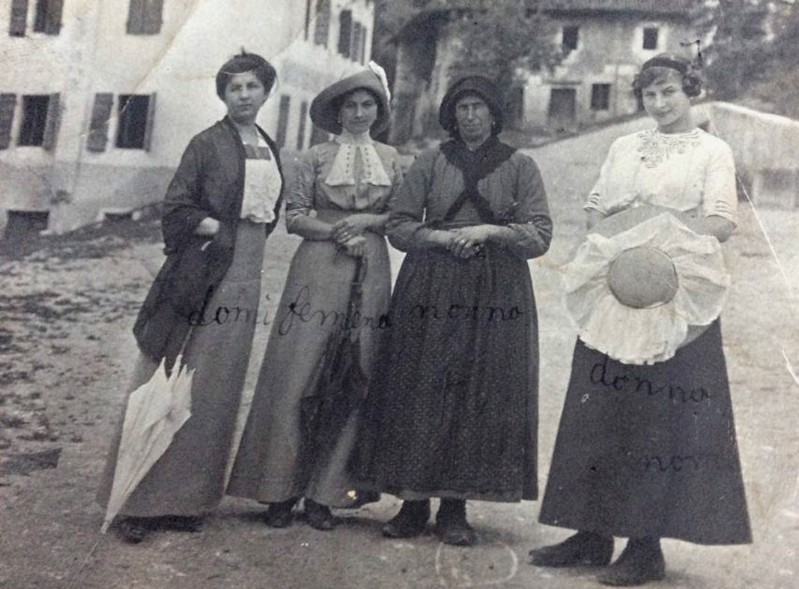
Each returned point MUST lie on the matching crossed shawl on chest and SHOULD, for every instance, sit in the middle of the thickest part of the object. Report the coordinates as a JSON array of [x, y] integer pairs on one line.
[[475, 165]]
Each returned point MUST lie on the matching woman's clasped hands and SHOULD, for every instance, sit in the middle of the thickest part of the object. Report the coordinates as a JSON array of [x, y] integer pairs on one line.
[[348, 233], [467, 242]]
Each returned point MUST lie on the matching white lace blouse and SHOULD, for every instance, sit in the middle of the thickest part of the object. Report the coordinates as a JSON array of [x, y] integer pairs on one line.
[[693, 172]]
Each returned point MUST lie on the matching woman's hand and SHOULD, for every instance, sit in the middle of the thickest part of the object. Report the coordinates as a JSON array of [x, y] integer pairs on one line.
[[355, 246], [352, 226], [208, 226], [468, 241]]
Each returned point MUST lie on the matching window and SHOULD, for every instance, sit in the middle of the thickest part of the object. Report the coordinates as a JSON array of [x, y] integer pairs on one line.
[[345, 32], [48, 16], [571, 36], [136, 114], [322, 29], [600, 97], [283, 120], [19, 18], [145, 17], [40, 118], [98, 127], [301, 132], [650, 38]]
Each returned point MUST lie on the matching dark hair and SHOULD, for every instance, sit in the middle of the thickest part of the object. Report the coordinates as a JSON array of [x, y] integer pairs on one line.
[[339, 101], [245, 62], [479, 86], [660, 66]]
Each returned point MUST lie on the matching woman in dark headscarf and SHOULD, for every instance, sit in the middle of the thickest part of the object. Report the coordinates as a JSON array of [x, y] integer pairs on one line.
[[220, 206], [452, 412]]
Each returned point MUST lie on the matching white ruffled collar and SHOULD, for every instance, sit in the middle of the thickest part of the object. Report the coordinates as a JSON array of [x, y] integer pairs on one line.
[[342, 172]]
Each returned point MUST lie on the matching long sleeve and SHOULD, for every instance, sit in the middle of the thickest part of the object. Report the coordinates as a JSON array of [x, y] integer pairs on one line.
[[598, 195], [531, 222], [300, 197], [183, 210], [406, 229]]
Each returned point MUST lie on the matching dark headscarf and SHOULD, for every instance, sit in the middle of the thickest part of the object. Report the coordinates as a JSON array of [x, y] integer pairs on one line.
[[245, 62], [478, 85]]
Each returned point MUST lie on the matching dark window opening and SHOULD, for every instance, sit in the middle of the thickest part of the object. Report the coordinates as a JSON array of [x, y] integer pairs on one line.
[[145, 17], [650, 38], [22, 224], [283, 120], [133, 121], [600, 97], [34, 119], [571, 36], [48, 16], [345, 33]]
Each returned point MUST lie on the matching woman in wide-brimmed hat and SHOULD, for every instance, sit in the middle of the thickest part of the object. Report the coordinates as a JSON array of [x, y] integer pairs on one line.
[[452, 412], [220, 206], [338, 205], [646, 446]]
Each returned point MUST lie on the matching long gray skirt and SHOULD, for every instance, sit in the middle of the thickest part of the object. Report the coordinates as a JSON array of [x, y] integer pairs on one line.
[[189, 479], [273, 463]]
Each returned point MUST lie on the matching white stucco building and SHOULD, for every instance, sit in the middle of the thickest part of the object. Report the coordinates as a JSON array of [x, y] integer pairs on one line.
[[98, 98]]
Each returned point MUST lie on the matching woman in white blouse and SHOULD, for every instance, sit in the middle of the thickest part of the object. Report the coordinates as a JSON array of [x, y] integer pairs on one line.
[[220, 206], [338, 205], [649, 451]]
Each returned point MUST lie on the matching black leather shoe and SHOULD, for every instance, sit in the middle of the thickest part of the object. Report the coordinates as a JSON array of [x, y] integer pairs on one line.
[[319, 516], [582, 549], [131, 529], [451, 525], [642, 561], [410, 521], [279, 514]]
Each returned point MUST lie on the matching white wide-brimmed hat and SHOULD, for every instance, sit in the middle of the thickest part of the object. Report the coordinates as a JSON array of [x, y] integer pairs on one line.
[[643, 284]]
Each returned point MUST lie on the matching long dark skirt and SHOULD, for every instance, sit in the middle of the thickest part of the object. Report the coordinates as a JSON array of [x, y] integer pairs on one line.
[[452, 411], [649, 450]]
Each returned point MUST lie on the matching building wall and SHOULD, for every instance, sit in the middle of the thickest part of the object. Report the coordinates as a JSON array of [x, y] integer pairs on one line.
[[609, 51], [93, 53]]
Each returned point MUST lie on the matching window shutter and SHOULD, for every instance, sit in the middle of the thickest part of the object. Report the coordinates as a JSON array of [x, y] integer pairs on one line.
[[8, 102], [19, 18], [148, 129], [355, 48], [322, 30], [136, 17], [98, 127], [283, 120], [301, 131], [345, 32], [52, 122], [153, 16], [55, 10], [362, 49]]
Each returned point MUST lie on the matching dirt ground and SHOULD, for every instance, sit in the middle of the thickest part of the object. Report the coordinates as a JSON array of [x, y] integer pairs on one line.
[[66, 309]]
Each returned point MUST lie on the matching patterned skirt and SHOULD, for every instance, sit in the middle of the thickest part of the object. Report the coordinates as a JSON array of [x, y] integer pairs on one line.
[[452, 411]]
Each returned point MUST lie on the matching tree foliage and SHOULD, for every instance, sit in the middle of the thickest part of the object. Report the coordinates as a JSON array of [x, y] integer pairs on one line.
[[503, 36]]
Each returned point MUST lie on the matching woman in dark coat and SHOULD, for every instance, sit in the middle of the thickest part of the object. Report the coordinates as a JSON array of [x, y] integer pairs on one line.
[[452, 412], [647, 451], [220, 206]]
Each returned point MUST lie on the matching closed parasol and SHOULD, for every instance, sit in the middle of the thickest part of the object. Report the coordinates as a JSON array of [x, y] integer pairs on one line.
[[154, 414]]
